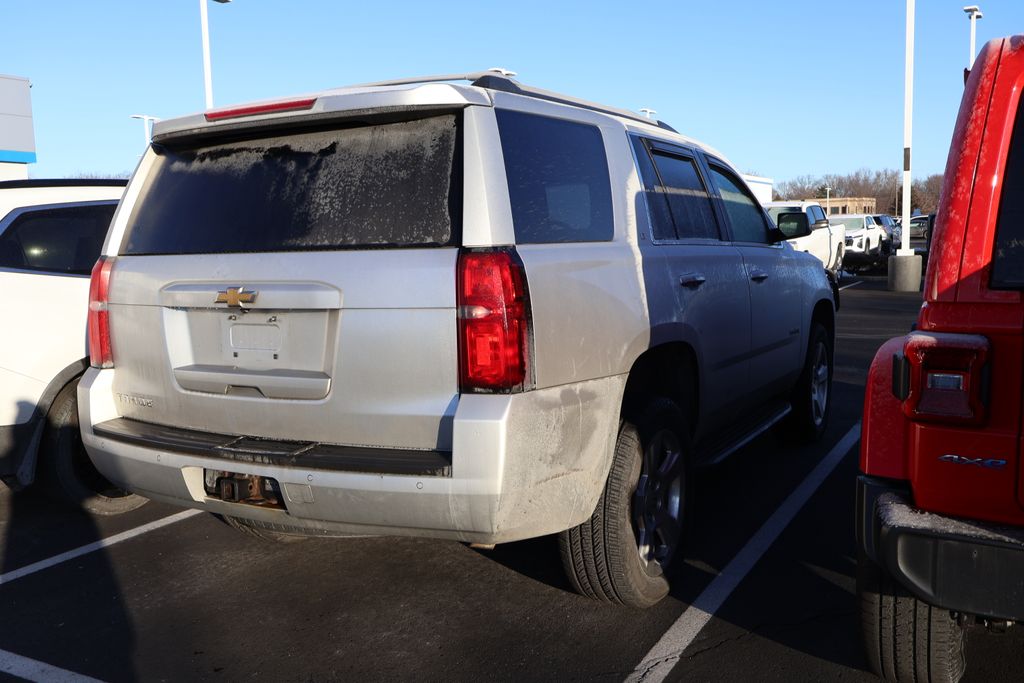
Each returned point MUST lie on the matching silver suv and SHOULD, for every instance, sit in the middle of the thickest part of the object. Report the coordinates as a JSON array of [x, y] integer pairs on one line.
[[478, 312]]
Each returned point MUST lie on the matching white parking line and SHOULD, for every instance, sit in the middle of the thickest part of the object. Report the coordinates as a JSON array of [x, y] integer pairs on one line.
[[31, 670], [852, 284], [15, 574], [657, 663]]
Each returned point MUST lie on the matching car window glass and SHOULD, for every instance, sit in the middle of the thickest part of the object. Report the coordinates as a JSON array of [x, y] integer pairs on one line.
[[392, 184], [558, 181], [657, 202], [688, 199], [817, 214], [1008, 253], [745, 217], [57, 240]]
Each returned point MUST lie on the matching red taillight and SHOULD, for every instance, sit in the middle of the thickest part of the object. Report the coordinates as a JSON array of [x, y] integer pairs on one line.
[[100, 354], [494, 332], [254, 109], [945, 377]]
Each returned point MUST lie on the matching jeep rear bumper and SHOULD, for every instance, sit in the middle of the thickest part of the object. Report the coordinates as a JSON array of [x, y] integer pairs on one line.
[[961, 565]]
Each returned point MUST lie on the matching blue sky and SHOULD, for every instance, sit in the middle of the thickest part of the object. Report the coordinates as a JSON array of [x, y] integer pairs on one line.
[[782, 88]]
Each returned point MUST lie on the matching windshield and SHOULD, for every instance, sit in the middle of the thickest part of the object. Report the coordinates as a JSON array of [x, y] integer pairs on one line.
[[849, 223]]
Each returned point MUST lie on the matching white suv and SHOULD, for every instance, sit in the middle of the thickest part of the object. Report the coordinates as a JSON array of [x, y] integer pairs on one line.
[[51, 232], [479, 312]]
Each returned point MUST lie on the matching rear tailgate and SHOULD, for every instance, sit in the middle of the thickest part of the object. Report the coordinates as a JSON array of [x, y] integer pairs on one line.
[[295, 286]]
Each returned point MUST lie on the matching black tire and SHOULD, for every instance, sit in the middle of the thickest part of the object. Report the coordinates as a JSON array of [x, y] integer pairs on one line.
[[812, 396], [64, 471], [602, 556], [263, 530], [906, 639]]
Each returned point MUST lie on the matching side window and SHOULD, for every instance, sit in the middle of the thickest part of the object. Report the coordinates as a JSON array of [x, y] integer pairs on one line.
[[687, 197], [1008, 253], [60, 240], [816, 214], [657, 203], [745, 215], [558, 181]]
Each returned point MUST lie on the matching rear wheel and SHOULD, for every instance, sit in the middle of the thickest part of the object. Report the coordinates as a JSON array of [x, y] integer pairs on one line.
[[620, 554], [906, 639], [812, 396], [65, 471]]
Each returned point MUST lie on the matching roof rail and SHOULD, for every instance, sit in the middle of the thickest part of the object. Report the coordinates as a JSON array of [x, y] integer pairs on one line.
[[500, 80], [65, 182]]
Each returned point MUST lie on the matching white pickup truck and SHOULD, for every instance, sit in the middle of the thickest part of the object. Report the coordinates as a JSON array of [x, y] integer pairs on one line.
[[826, 240]]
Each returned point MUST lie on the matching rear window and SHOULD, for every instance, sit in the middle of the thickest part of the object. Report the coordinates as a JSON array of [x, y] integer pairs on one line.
[[386, 185], [557, 179], [1008, 255]]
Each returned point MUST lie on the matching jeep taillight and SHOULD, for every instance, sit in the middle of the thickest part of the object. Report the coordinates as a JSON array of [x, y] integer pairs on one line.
[[493, 315], [100, 355], [943, 377]]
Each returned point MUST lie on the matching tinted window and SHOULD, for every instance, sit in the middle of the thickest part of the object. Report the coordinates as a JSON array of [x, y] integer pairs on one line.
[[60, 240], [687, 197], [662, 227], [1008, 254], [816, 214], [391, 184], [557, 179], [745, 216]]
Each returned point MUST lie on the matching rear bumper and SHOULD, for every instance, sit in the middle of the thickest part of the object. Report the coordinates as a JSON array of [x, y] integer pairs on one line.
[[962, 565], [521, 466]]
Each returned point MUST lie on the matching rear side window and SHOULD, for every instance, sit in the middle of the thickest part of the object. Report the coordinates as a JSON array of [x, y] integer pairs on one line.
[[745, 216], [64, 240], [1008, 255], [558, 182], [387, 185]]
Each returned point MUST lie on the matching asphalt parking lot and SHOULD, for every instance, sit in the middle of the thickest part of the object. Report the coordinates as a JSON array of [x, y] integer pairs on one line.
[[766, 591]]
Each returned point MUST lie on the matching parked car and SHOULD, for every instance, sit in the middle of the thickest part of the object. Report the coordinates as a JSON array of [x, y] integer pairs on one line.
[[893, 233], [51, 232], [866, 240], [919, 227], [940, 504], [479, 312], [826, 241]]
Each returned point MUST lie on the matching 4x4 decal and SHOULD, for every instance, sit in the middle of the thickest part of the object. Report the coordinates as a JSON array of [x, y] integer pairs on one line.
[[990, 463]]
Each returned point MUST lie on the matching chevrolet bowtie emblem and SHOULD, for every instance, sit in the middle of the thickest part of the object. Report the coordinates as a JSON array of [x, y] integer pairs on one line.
[[235, 296]]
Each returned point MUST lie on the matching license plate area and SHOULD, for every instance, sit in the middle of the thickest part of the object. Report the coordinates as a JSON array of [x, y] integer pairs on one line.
[[248, 489]]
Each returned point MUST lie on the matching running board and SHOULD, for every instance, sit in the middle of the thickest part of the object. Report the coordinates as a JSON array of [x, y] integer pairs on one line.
[[718, 449]]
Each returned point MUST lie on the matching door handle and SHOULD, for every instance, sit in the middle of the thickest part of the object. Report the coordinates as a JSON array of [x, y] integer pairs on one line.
[[693, 280], [758, 275]]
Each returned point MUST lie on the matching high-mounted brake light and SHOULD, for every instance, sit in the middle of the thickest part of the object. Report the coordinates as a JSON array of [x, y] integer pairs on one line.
[[494, 328], [254, 109], [943, 377], [100, 351]]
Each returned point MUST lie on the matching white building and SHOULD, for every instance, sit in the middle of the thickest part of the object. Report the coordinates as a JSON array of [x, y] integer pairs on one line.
[[17, 139], [761, 187]]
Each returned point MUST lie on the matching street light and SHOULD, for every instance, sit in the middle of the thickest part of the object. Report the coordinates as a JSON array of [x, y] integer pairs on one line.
[[828, 196], [207, 77], [147, 125], [974, 13]]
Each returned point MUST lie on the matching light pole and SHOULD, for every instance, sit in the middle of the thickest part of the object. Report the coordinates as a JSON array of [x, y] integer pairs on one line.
[[974, 13], [905, 266], [207, 76], [147, 125], [828, 196]]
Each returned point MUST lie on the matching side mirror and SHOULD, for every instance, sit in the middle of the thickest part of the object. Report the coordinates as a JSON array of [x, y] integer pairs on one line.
[[818, 225], [792, 225]]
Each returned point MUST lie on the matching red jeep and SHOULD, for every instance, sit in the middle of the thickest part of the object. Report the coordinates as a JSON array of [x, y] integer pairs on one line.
[[940, 498]]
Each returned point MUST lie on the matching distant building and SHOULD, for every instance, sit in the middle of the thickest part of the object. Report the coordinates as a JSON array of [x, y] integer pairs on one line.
[[761, 187], [837, 205], [17, 139]]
